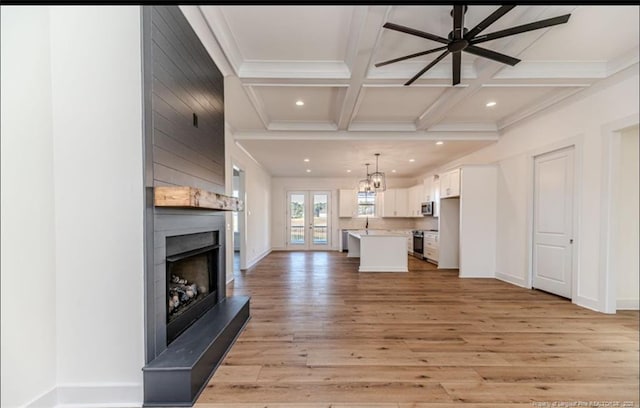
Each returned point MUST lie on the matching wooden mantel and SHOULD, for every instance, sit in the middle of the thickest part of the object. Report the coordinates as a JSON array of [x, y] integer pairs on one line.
[[192, 197]]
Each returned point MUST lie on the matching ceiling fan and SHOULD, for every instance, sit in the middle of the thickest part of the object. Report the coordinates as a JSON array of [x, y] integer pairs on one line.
[[462, 39]]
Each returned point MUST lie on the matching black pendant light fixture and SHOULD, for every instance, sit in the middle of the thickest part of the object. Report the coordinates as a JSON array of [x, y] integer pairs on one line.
[[365, 185], [378, 179]]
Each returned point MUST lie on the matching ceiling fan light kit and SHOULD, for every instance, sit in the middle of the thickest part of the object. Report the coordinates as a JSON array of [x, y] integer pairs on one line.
[[461, 39]]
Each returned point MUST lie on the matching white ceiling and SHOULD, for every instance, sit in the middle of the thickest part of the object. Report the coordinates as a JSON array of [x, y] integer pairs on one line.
[[325, 56]]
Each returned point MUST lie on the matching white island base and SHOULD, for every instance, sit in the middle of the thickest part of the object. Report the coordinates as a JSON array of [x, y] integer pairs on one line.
[[379, 251]]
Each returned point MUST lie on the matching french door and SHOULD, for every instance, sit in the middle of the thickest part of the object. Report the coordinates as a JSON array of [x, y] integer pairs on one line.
[[308, 220]]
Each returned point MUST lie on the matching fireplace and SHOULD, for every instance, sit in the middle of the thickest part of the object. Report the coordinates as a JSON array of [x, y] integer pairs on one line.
[[192, 266]]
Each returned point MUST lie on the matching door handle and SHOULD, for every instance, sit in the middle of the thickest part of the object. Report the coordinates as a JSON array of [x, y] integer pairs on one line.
[[571, 241]]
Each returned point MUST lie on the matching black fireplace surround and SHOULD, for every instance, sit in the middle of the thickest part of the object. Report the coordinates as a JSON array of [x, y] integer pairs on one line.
[[192, 279], [192, 335]]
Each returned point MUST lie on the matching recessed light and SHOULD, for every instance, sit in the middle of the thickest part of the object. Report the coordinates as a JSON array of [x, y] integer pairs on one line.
[[412, 160], [299, 103], [491, 104], [439, 142], [308, 170], [393, 171], [348, 171], [307, 160]]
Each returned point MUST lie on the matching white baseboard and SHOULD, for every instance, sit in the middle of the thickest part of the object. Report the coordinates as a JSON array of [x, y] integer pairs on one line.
[[589, 303], [514, 280], [91, 396], [47, 400], [628, 304], [257, 259]]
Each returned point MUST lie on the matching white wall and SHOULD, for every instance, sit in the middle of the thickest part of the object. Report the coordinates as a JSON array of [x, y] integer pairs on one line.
[[256, 243], [580, 119], [97, 127], [72, 184], [280, 186], [28, 249], [626, 226]]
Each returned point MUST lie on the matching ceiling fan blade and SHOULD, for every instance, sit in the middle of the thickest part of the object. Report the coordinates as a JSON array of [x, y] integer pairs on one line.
[[417, 33], [492, 55], [406, 57], [493, 17], [428, 67], [457, 66], [522, 29], [458, 21]]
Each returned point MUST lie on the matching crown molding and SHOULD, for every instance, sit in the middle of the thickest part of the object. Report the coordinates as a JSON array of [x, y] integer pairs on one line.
[[554, 69], [382, 127], [361, 135], [623, 61], [226, 38], [464, 127], [294, 69], [407, 69], [302, 126]]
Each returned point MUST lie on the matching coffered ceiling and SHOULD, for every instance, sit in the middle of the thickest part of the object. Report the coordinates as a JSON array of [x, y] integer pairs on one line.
[[324, 56]]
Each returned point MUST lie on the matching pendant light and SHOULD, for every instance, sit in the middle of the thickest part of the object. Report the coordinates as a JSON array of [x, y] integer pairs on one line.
[[378, 180], [365, 185]]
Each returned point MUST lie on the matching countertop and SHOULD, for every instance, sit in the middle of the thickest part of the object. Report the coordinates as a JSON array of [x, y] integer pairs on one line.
[[375, 233]]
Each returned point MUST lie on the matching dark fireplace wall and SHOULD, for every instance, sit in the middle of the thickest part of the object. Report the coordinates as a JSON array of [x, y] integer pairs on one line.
[[184, 145]]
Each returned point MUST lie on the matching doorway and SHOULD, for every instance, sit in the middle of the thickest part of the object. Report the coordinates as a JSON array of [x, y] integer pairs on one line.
[[623, 239], [308, 220], [553, 210], [238, 221]]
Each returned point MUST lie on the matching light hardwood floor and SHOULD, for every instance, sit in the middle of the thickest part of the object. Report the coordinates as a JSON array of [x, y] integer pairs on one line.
[[323, 335]]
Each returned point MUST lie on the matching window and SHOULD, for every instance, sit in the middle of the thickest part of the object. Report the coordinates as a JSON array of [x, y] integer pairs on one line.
[[366, 204]]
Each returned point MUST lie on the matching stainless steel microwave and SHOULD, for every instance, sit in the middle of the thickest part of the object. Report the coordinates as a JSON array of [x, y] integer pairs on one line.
[[427, 208]]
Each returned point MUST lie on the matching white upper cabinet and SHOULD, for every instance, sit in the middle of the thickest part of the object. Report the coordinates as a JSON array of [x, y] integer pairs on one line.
[[435, 197], [394, 202], [414, 200], [348, 203], [427, 189], [450, 184]]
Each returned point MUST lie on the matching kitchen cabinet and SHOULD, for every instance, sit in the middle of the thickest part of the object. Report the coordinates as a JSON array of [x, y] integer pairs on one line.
[[468, 224], [394, 202], [431, 246], [450, 184], [347, 203], [414, 201], [427, 187], [435, 188], [431, 192]]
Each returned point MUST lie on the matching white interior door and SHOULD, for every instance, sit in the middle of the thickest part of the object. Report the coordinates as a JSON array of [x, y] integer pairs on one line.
[[308, 220], [553, 222]]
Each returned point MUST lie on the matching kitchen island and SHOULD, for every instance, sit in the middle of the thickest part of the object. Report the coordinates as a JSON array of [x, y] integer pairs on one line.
[[379, 251]]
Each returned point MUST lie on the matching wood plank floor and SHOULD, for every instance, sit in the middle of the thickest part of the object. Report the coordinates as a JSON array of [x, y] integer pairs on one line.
[[323, 335]]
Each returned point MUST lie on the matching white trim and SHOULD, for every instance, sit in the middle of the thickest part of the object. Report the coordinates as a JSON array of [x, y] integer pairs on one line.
[[45, 400], [623, 61], [380, 126], [92, 395], [514, 280], [628, 304], [294, 69], [587, 302], [554, 69], [576, 142], [610, 134], [257, 259], [464, 127], [358, 135], [222, 32], [302, 126], [202, 28]]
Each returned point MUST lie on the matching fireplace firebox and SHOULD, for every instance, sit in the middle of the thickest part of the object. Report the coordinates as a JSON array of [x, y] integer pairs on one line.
[[192, 267]]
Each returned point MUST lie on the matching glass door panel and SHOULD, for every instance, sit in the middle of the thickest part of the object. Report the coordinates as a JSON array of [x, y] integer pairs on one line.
[[320, 219], [309, 220], [297, 210]]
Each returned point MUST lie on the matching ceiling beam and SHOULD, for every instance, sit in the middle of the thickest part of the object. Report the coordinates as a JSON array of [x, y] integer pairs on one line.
[[370, 20], [490, 135]]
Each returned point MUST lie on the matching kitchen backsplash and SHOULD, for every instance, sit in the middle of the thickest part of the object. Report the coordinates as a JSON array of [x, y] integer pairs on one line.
[[424, 223]]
